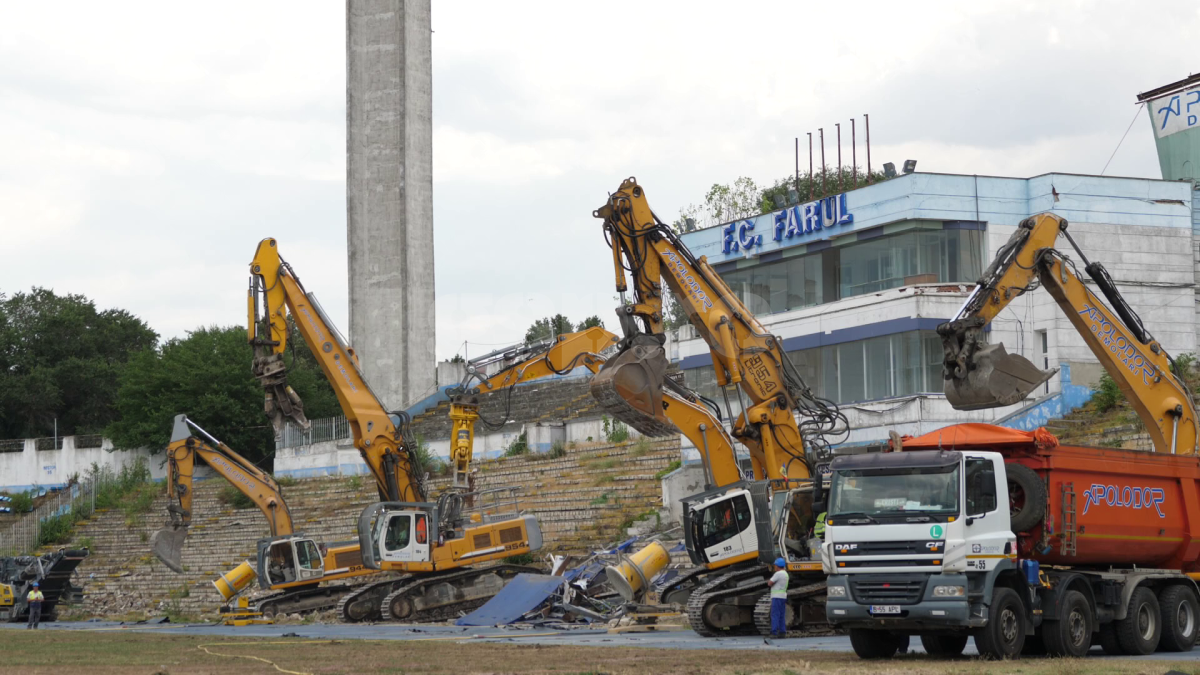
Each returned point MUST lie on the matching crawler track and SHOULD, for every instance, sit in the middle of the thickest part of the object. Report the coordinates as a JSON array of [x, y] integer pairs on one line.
[[724, 589], [812, 594], [438, 597]]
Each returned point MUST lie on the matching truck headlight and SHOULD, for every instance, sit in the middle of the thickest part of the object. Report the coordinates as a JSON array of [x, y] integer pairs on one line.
[[949, 591], [836, 591]]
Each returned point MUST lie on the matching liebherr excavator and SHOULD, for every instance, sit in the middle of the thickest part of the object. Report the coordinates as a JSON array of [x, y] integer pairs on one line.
[[979, 375], [735, 526], [289, 563]]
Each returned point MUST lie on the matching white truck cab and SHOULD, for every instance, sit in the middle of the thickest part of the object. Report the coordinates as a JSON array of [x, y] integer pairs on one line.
[[914, 542]]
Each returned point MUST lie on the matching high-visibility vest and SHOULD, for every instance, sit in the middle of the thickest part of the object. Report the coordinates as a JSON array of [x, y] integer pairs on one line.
[[36, 596], [819, 528]]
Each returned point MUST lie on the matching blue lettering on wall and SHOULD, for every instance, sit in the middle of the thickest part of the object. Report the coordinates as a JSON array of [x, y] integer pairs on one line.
[[1125, 497], [802, 220]]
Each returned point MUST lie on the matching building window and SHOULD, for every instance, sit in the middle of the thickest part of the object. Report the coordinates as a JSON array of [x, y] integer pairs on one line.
[[901, 364], [915, 257]]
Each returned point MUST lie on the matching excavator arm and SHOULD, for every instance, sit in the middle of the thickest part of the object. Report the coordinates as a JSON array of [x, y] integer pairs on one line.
[[978, 375], [744, 353], [383, 440], [184, 449]]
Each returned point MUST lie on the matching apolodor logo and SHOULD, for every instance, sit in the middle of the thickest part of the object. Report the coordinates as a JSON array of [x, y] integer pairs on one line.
[[1116, 342], [689, 283], [1126, 497]]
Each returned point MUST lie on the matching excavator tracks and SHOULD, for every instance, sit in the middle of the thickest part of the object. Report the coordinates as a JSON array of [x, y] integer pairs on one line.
[[439, 597], [301, 600], [679, 590], [812, 595], [363, 603], [712, 601]]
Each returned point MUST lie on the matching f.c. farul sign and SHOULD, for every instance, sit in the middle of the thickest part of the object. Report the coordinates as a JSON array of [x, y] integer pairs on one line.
[[809, 220]]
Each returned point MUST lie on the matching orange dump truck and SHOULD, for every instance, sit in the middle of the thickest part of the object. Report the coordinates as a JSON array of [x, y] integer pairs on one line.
[[1095, 546]]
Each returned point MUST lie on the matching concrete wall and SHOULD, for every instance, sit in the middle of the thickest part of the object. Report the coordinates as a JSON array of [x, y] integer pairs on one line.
[[389, 195], [30, 468]]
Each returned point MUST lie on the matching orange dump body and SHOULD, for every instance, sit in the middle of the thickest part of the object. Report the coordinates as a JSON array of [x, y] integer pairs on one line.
[[1130, 507]]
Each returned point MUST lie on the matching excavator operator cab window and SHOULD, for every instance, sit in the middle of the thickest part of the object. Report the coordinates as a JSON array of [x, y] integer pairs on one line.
[[281, 565], [397, 533], [308, 555], [724, 520]]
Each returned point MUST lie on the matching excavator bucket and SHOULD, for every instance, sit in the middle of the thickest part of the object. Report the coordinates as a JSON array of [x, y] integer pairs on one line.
[[995, 378], [167, 545], [630, 387]]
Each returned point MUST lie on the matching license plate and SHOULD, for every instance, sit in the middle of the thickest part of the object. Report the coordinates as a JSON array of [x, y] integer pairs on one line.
[[885, 609]]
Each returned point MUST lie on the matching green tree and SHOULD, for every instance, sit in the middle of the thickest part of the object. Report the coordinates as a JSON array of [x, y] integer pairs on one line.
[[815, 187], [592, 321], [60, 359], [674, 313], [723, 203], [207, 377], [547, 328]]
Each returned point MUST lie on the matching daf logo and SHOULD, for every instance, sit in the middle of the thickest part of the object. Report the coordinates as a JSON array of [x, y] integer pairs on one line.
[[843, 548]]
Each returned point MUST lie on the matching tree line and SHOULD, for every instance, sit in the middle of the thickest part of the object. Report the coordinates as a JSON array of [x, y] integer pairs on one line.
[[69, 367]]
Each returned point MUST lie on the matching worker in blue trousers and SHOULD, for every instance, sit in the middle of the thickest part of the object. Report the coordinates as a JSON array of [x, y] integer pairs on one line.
[[779, 585], [35, 599]]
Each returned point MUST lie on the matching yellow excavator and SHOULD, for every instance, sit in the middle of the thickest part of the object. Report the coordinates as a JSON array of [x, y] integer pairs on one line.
[[979, 375], [736, 525], [440, 545]]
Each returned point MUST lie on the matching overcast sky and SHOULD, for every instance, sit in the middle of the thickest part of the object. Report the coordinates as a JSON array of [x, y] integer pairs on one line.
[[145, 148]]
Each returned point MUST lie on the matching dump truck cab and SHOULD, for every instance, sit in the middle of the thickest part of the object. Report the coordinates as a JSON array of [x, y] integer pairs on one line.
[[915, 541]]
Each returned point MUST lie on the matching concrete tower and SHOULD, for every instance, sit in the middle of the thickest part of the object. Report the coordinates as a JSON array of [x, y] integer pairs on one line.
[[389, 195]]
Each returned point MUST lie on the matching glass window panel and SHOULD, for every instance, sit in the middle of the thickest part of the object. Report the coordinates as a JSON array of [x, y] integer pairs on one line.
[[879, 367], [758, 291], [777, 281], [906, 353], [830, 388], [933, 361], [808, 365], [851, 375]]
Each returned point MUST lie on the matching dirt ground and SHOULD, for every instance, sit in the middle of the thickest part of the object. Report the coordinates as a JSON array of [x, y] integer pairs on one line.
[[28, 652]]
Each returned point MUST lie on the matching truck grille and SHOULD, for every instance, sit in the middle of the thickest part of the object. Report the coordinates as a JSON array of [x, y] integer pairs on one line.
[[877, 589]]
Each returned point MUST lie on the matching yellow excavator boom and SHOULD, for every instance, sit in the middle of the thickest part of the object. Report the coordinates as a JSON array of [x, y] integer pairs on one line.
[[979, 375], [185, 447]]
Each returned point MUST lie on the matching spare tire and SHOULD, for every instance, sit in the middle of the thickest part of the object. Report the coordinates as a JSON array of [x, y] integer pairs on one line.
[[1026, 497]]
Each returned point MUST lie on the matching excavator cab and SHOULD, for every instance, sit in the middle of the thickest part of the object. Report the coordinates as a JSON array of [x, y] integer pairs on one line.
[[728, 524], [397, 532], [289, 560]]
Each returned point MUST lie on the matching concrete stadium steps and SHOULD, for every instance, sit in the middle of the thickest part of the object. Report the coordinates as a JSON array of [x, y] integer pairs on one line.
[[582, 500]]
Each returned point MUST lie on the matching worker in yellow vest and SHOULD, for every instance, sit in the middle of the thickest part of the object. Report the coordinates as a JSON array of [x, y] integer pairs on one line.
[[819, 527], [35, 598]]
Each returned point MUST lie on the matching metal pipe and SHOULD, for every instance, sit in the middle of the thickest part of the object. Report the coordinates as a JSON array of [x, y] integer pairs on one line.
[[797, 167], [822, 132], [854, 156], [708, 472], [867, 123], [839, 137], [810, 173], [1174, 433]]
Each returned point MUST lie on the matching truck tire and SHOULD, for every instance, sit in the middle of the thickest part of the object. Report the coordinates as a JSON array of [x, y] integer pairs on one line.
[[1106, 637], [1026, 497], [1071, 633], [1004, 635], [1180, 613], [873, 644], [944, 645], [1139, 631]]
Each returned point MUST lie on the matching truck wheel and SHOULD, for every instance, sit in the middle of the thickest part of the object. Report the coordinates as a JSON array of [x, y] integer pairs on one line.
[[944, 645], [1139, 631], [1004, 635], [1026, 497], [1071, 633], [1106, 637], [1179, 617], [873, 644]]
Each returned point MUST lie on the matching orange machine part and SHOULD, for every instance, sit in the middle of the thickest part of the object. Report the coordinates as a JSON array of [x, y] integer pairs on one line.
[[1131, 507]]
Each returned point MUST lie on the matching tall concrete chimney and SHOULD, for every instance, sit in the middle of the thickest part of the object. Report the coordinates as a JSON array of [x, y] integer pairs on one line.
[[389, 195]]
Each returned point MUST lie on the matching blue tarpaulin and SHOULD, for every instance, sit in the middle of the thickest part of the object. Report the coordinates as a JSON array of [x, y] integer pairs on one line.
[[519, 596]]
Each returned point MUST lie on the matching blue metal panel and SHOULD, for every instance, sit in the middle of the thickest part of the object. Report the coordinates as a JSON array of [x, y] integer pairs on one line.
[[521, 595]]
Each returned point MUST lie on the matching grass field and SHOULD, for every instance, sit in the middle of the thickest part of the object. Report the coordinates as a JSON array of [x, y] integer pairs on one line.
[[104, 652]]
